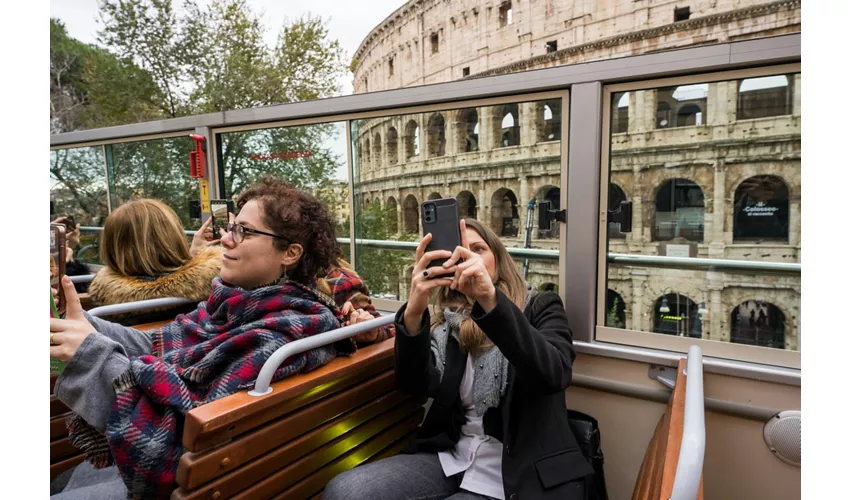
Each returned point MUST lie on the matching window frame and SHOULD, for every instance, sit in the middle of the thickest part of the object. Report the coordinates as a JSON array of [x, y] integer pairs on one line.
[[644, 339]]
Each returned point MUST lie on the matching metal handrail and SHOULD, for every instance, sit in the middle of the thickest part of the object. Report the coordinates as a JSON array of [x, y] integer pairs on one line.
[[82, 278], [140, 305], [263, 385], [707, 264], [613, 258], [692, 451], [98, 229]]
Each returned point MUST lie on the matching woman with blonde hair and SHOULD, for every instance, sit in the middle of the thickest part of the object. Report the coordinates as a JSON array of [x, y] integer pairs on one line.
[[496, 358], [146, 256]]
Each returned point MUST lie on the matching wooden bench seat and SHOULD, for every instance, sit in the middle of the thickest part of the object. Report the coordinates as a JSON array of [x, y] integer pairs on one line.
[[287, 444], [658, 469]]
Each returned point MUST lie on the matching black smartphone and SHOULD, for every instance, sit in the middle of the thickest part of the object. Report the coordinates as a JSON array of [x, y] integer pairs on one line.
[[70, 223], [57, 261], [220, 216], [441, 219]]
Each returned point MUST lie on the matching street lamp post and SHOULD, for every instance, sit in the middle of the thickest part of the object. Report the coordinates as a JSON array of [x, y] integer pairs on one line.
[[665, 308]]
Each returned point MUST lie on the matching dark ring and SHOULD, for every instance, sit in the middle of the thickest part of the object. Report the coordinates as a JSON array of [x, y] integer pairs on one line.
[[425, 273]]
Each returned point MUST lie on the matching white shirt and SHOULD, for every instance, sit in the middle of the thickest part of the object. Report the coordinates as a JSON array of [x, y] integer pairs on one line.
[[476, 453]]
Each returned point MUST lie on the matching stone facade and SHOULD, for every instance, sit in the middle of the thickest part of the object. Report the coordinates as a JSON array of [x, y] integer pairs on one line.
[[497, 159], [432, 41]]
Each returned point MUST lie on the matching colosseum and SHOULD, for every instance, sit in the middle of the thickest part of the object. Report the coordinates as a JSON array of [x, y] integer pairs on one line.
[[712, 169]]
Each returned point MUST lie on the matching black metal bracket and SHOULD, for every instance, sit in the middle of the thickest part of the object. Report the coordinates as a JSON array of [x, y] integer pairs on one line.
[[546, 215], [623, 216]]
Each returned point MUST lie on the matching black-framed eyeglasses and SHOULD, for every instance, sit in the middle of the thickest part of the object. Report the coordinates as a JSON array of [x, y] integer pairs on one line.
[[238, 231]]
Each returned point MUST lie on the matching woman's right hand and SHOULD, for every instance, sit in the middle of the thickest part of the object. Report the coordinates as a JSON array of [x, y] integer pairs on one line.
[[203, 238], [422, 283]]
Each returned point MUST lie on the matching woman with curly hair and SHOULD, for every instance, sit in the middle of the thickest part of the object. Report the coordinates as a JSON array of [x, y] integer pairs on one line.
[[130, 390]]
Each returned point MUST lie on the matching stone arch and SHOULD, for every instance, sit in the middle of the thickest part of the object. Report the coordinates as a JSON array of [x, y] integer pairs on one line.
[[466, 205], [690, 115], [620, 112], [615, 196], [411, 214], [679, 211], [436, 133], [392, 207], [615, 309], [367, 155], [468, 130], [758, 322], [507, 124], [548, 287], [765, 96], [504, 213], [411, 139], [663, 115], [787, 299], [680, 317], [761, 209], [377, 150], [434, 196], [549, 119], [392, 146]]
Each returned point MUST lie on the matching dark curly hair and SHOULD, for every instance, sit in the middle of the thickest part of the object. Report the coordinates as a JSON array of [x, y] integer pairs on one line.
[[300, 217]]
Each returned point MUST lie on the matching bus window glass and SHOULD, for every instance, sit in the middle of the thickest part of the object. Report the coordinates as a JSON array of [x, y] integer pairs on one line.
[[495, 160], [311, 157], [728, 189], [78, 188], [157, 169]]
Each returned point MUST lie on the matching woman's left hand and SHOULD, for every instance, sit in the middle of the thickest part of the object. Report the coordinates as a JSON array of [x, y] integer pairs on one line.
[[66, 335], [358, 316], [203, 238], [471, 277]]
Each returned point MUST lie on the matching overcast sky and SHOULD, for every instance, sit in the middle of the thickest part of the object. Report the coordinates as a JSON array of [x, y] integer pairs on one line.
[[349, 22]]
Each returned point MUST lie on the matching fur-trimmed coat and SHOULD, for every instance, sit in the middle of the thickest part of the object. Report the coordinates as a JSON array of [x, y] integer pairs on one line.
[[193, 280]]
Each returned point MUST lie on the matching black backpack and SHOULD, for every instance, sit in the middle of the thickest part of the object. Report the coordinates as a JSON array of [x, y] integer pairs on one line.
[[586, 431]]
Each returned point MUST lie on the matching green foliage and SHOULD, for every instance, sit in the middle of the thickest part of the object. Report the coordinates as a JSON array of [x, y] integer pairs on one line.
[[90, 87], [612, 319], [381, 268], [156, 63]]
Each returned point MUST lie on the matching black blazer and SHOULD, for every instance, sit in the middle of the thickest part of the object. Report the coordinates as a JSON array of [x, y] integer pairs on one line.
[[540, 457]]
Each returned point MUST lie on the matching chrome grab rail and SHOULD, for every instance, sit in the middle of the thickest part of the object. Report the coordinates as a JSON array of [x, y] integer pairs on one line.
[[692, 451], [82, 278], [140, 305], [264, 379], [613, 258]]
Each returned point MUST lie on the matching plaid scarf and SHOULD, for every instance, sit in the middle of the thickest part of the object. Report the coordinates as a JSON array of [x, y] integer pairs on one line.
[[200, 357], [346, 286]]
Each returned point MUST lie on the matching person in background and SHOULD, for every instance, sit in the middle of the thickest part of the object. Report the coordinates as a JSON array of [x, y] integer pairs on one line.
[[73, 266], [145, 256], [352, 295]]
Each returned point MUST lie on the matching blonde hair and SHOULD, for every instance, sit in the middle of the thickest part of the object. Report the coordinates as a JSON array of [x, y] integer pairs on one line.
[[143, 238], [507, 279]]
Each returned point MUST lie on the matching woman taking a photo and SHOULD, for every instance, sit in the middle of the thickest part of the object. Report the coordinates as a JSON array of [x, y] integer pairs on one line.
[[496, 358], [130, 390], [146, 256]]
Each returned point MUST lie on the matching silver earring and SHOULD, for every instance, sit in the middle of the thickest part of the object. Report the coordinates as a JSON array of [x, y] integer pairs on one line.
[[284, 277]]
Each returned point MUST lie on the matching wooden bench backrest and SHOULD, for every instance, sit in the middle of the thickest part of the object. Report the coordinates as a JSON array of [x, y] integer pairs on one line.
[[658, 470], [293, 441]]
